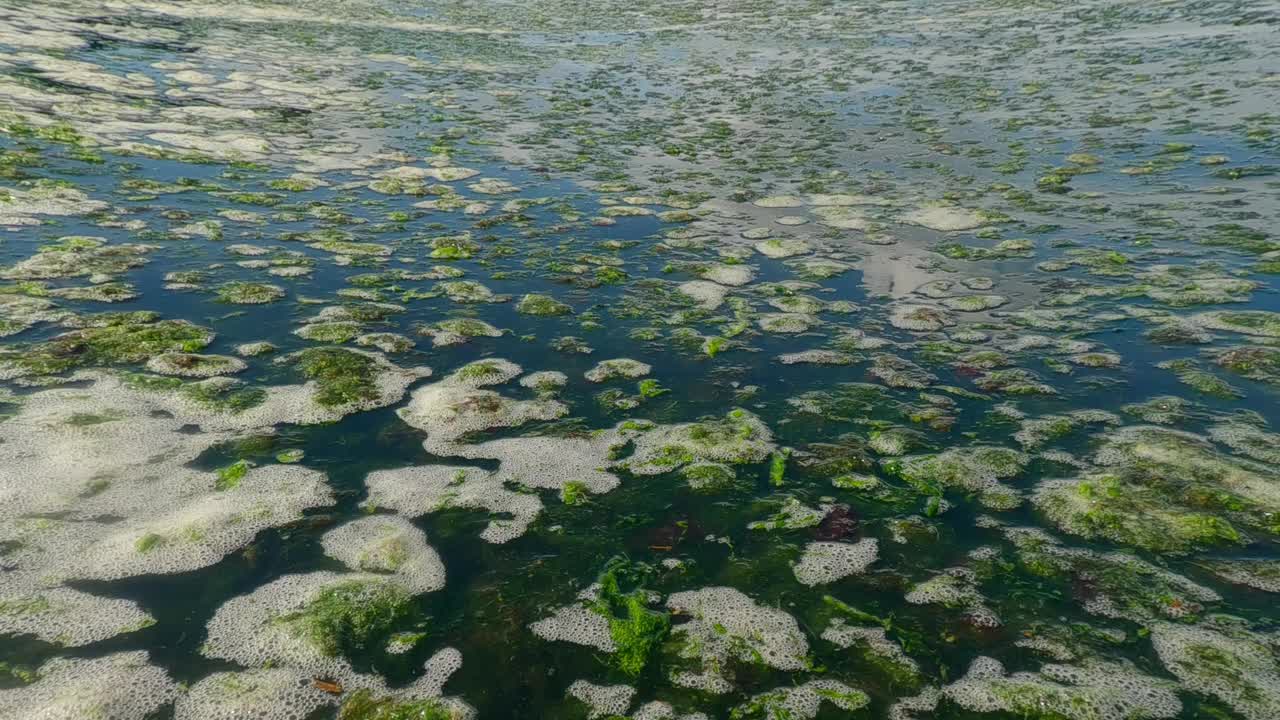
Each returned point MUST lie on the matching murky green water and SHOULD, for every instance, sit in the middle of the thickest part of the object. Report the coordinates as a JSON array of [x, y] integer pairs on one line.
[[652, 359]]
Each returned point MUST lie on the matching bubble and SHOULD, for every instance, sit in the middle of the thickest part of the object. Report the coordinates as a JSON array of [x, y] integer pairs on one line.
[[123, 685], [1095, 690], [387, 544], [827, 562], [457, 405], [618, 368], [955, 587], [804, 701], [267, 694], [602, 700], [576, 624], [68, 617], [1227, 662], [726, 625]]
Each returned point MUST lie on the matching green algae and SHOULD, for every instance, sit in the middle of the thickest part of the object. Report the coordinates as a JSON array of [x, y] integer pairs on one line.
[[363, 704], [221, 394], [338, 331], [542, 305], [636, 630], [976, 469], [249, 293], [229, 477], [342, 377], [1125, 200], [1258, 363], [1164, 491], [573, 493], [1201, 381], [350, 617], [148, 542], [123, 343]]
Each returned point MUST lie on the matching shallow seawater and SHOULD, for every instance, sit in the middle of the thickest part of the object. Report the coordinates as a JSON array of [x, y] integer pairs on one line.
[[644, 360]]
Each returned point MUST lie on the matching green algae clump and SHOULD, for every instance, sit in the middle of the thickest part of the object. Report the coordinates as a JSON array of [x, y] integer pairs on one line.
[[975, 469], [364, 705], [635, 629], [1166, 491], [738, 438], [350, 616], [541, 305], [343, 377], [115, 344], [249, 293]]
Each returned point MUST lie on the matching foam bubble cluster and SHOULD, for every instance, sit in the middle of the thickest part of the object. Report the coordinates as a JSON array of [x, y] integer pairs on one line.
[[1097, 690], [194, 365], [87, 451], [1227, 662], [544, 381], [578, 625], [206, 529], [707, 294], [1258, 573], [919, 318], [727, 625], [826, 562], [68, 617], [96, 486], [955, 587], [906, 708], [123, 686], [816, 357], [617, 368], [418, 491], [249, 629], [843, 635], [738, 438], [658, 710], [305, 404], [803, 701], [602, 700], [387, 544], [266, 694], [457, 405]]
